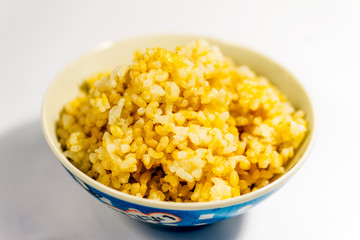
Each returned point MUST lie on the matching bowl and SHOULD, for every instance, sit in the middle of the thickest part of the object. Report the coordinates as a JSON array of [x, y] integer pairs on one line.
[[106, 56]]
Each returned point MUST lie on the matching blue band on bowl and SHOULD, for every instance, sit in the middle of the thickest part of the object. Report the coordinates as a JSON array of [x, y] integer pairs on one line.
[[170, 217]]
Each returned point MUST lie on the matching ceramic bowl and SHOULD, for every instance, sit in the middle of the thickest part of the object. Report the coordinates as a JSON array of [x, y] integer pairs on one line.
[[105, 57]]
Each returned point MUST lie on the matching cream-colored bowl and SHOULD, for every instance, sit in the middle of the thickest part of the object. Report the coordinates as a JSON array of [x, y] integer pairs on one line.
[[65, 87]]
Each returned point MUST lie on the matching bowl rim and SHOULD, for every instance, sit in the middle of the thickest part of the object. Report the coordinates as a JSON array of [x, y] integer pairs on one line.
[[167, 205]]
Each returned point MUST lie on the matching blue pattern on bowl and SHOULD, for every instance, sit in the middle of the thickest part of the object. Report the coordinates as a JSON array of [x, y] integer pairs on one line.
[[170, 217]]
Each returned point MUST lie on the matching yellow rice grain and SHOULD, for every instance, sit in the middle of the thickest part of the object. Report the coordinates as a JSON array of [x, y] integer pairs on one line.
[[183, 125]]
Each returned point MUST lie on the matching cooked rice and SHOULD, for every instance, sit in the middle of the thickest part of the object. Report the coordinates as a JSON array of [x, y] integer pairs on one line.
[[186, 126]]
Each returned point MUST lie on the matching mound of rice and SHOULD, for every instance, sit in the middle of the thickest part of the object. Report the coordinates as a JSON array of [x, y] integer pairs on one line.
[[186, 126]]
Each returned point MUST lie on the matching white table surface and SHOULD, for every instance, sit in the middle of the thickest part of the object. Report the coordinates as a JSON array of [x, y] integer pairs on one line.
[[318, 41]]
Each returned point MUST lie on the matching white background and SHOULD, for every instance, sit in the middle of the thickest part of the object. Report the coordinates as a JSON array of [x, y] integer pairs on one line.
[[318, 41]]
